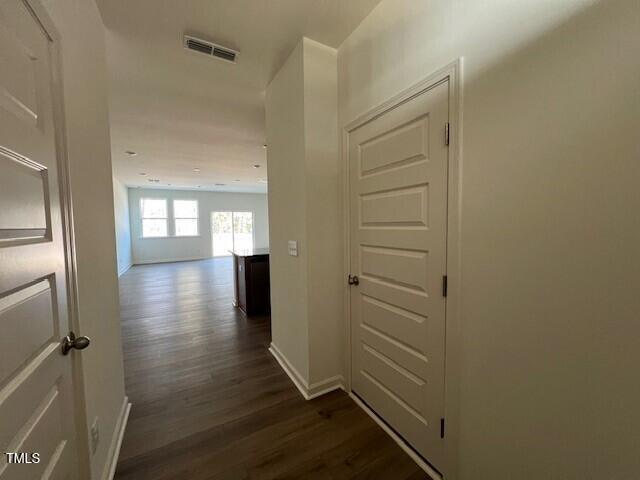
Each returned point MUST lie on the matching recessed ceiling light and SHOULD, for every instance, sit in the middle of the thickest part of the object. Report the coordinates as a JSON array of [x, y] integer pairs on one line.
[[143, 174], [131, 153], [196, 169]]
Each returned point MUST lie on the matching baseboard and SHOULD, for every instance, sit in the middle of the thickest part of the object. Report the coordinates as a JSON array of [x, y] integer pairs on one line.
[[294, 375], [401, 443], [309, 392], [318, 389], [170, 260], [116, 441], [125, 270]]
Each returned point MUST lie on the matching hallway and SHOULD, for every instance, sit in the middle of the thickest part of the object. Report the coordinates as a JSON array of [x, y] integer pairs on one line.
[[210, 402]]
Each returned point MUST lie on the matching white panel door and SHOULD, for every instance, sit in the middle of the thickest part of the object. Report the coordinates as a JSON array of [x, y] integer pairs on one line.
[[36, 395], [398, 195]]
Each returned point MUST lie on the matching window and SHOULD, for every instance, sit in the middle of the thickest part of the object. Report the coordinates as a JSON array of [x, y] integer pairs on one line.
[[185, 215], [231, 231], [154, 217]]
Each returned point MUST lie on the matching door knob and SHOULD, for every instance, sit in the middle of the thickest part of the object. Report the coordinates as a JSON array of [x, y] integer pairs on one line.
[[72, 342], [354, 280]]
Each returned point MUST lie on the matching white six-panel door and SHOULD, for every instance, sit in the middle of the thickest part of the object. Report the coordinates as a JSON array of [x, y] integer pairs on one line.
[[36, 396], [398, 166]]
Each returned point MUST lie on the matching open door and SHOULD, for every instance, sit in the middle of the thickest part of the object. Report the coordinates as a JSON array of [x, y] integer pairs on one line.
[[37, 411]]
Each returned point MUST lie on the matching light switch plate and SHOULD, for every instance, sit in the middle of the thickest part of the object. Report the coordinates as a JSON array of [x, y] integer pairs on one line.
[[293, 248]]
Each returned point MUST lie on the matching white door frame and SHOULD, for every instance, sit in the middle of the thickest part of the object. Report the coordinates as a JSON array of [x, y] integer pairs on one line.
[[57, 92], [452, 73]]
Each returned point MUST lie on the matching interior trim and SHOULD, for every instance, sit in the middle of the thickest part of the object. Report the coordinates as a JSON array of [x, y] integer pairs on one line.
[[170, 260], [396, 438], [308, 391], [116, 441], [125, 269]]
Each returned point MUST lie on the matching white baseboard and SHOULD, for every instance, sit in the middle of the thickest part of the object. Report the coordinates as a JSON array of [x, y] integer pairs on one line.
[[309, 392], [318, 389], [116, 441], [401, 443], [125, 269], [169, 260]]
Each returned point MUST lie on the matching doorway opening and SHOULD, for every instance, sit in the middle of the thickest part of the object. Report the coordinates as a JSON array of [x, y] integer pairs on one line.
[[231, 231]]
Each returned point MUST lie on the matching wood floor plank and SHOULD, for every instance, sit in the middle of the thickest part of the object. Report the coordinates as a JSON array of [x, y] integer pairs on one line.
[[211, 403]]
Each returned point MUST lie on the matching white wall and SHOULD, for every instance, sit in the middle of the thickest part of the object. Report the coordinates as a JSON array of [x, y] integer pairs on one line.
[[287, 212], [324, 212], [304, 205], [123, 226], [550, 225], [151, 250], [88, 145]]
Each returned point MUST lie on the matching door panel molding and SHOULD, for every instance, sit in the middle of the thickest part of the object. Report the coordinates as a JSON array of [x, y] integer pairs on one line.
[[453, 74], [41, 16]]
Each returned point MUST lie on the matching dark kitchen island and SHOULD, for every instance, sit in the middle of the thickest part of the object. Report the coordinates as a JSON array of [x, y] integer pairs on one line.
[[251, 280]]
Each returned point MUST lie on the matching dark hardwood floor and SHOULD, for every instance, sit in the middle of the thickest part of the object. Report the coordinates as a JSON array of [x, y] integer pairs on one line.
[[209, 401]]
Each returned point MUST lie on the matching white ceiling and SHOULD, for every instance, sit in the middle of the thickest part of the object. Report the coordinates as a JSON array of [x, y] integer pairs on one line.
[[179, 110]]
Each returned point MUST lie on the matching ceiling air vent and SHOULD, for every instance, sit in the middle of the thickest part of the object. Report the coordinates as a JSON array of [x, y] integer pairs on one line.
[[211, 49]]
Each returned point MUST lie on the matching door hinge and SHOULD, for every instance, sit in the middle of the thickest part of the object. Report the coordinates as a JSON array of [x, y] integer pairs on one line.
[[446, 133], [442, 428], [444, 285]]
